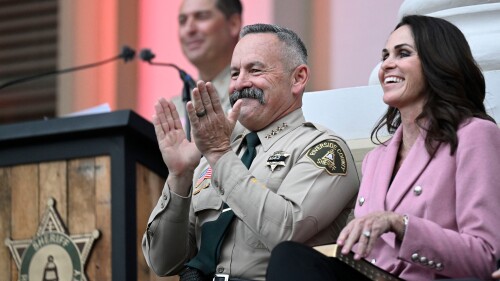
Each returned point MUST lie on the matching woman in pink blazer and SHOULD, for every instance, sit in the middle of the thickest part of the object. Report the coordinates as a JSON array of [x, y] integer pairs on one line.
[[429, 202]]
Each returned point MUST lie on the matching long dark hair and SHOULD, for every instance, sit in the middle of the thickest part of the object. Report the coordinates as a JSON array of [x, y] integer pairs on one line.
[[454, 84]]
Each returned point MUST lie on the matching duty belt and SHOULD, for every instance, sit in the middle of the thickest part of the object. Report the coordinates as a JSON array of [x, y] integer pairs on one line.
[[193, 274], [225, 277]]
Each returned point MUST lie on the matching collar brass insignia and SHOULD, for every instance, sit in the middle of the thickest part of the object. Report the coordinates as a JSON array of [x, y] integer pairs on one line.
[[277, 159], [52, 254], [203, 181], [275, 132]]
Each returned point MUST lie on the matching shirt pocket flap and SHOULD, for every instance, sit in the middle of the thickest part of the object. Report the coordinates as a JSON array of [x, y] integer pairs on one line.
[[206, 199]]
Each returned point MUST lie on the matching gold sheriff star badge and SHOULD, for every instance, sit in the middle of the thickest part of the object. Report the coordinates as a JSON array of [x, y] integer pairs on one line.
[[277, 159], [52, 254]]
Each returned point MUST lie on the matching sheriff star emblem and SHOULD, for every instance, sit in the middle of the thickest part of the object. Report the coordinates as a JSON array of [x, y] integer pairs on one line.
[[52, 254], [277, 159]]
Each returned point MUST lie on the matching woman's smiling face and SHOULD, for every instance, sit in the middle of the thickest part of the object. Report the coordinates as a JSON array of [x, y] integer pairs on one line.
[[401, 74]]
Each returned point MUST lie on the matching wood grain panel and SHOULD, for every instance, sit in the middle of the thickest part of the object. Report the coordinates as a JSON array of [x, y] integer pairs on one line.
[[148, 189], [24, 186], [5, 225], [100, 257], [24, 215], [142, 219], [53, 183], [81, 195]]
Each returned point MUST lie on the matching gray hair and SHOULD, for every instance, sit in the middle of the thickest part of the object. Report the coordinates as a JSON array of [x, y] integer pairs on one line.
[[294, 52]]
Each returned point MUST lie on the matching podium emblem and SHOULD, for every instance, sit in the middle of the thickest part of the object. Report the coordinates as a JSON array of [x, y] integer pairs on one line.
[[53, 254]]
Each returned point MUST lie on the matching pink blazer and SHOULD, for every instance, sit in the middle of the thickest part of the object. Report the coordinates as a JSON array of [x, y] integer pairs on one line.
[[453, 204]]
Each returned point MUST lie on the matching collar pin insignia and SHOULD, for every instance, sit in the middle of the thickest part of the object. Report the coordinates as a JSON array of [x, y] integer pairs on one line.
[[275, 132]]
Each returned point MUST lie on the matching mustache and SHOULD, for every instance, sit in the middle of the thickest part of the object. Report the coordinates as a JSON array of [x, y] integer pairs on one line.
[[247, 93]]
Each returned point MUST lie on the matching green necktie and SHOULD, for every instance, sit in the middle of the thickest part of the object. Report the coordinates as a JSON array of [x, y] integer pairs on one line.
[[212, 233]]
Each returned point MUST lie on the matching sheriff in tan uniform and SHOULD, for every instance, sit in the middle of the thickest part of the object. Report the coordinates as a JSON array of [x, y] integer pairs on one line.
[[301, 185]]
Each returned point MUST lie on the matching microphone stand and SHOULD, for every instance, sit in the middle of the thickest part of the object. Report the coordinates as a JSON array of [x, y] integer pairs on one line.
[[186, 96], [126, 54], [188, 82]]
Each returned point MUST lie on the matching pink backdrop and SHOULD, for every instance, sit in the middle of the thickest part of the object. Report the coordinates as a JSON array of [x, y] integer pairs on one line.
[[158, 31]]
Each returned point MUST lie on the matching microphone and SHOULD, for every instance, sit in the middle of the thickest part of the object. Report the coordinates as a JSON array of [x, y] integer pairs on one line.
[[127, 54], [147, 56]]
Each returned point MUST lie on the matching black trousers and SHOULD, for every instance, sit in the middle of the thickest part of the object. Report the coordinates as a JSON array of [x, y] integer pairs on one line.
[[294, 261]]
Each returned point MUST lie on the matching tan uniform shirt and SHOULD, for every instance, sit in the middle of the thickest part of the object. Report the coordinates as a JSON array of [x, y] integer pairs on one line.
[[300, 186]]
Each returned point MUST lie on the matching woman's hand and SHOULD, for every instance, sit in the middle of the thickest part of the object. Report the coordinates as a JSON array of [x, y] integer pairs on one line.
[[496, 274], [366, 230]]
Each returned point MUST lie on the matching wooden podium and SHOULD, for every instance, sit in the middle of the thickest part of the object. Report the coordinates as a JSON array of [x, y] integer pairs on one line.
[[104, 172]]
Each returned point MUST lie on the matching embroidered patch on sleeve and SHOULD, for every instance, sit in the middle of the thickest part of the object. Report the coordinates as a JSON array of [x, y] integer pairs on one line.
[[328, 155]]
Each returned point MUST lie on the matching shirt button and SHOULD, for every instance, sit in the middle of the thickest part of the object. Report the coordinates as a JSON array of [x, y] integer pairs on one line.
[[417, 190], [415, 257], [222, 191], [220, 269], [216, 182], [361, 200]]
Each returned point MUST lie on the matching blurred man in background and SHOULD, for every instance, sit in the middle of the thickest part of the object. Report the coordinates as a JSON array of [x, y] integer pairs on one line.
[[208, 32]]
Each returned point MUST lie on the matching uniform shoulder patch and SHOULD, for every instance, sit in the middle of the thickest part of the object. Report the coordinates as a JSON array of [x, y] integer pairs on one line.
[[330, 156]]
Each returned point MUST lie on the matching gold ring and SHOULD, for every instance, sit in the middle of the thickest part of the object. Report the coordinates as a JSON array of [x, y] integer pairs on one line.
[[201, 114]]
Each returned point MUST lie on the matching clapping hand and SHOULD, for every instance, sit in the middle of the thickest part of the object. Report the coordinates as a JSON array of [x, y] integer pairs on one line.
[[211, 129], [180, 155]]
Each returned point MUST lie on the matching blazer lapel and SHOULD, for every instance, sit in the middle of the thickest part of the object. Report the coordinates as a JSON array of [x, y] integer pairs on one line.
[[408, 173], [383, 174]]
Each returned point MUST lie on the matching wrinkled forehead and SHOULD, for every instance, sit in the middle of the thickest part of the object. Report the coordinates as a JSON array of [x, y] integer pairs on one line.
[[262, 46]]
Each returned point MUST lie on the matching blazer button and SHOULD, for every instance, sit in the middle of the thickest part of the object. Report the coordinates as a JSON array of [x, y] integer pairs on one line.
[[164, 196], [220, 269], [423, 260], [415, 257], [417, 190], [361, 200], [222, 191], [439, 266], [431, 264]]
